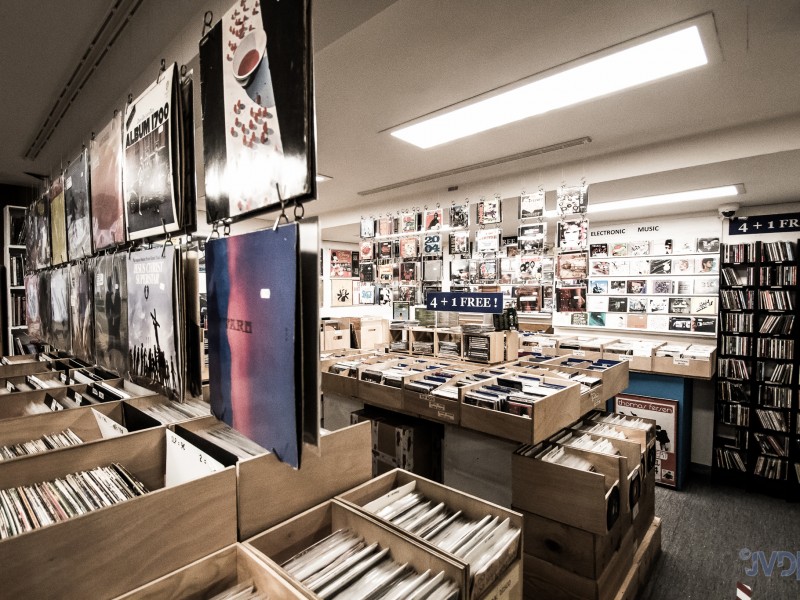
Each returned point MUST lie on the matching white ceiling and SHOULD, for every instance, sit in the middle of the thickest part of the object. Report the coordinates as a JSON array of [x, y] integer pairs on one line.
[[380, 63]]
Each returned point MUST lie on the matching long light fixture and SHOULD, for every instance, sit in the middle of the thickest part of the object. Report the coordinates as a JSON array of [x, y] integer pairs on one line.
[[724, 191], [663, 53]]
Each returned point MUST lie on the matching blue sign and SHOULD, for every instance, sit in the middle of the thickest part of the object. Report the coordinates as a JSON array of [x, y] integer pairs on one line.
[[757, 224], [465, 302]]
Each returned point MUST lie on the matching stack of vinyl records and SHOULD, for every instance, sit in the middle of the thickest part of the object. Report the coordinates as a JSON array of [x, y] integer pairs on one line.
[[60, 439], [477, 328], [477, 347]]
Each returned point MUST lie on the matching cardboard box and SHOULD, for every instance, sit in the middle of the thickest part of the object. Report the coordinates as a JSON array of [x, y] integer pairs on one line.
[[471, 507]]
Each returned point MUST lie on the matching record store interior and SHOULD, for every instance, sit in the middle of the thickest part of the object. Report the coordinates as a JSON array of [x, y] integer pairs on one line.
[[400, 300]]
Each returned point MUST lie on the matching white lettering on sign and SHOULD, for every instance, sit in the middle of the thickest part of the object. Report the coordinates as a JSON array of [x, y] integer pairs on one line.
[[109, 428], [186, 462]]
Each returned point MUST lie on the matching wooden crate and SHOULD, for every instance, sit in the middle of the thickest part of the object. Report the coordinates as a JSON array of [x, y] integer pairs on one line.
[[278, 544], [23, 368], [81, 421], [583, 499], [334, 339], [470, 506], [214, 574], [644, 558], [130, 388], [336, 383], [644, 437], [581, 552], [550, 414], [9, 384], [113, 550], [431, 407], [546, 580], [144, 402], [270, 491], [19, 404], [590, 399], [614, 378], [686, 367]]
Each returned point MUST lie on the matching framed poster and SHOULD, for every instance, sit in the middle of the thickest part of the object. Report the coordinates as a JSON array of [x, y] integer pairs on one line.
[[341, 292], [665, 413], [256, 89]]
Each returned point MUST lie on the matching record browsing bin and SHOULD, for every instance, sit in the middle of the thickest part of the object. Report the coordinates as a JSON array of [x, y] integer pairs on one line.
[[131, 542], [214, 574], [280, 543], [501, 575]]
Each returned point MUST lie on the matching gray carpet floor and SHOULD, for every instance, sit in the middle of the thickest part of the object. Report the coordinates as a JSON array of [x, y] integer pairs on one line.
[[706, 527]]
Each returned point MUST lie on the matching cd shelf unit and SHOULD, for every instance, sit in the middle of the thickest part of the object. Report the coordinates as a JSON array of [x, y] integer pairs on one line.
[[757, 431], [14, 252]]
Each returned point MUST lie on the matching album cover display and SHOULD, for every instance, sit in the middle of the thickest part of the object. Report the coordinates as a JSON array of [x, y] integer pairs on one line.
[[619, 249], [257, 311], [637, 305], [33, 316], [531, 206], [598, 286], [432, 270], [256, 87], [385, 226], [58, 222], [617, 304], [367, 294], [637, 286], [59, 309], [154, 351], [459, 215], [459, 243], [367, 272], [367, 251], [432, 244], [572, 200], [38, 242], [409, 247], [433, 219], [487, 240], [341, 264], [409, 222], [107, 206], [598, 250], [342, 292], [704, 324], [459, 271], [367, 228], [573, 235], [709, 245], [111, 313], [571, 299], [489, 211], [151, 167], [80, 306], [573, 265], [680, 305], [76, 199]]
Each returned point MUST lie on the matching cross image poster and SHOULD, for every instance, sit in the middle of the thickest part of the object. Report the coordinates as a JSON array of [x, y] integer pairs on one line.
[[80, 307], [149, 179], [59, 309], [665, 413], [252, 310], [105, 168], [256, 88], [32, 315], [76, 200], [153, 359], [58, 222], [39, 240], [111, 313]]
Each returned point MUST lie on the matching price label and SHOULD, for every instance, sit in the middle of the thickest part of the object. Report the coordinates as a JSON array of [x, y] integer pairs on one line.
[[680, 362], [595, 396], [109, 428]]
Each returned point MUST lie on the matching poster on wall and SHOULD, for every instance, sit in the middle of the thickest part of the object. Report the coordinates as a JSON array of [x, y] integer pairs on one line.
[[258, 120], [76, 200], [665, 413], [263, 313], [105, 155], [111, 313], [150, 179]]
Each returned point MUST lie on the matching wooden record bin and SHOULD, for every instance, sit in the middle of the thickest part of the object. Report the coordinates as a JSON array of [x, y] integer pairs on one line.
[[23, 382], [614, 378], [113, 550], [583, 499], [270, 491], [280, 543], [644, 437], [16, 369], [19, 404], [81, 421], [214, 574], [550, 414], [502, 579]]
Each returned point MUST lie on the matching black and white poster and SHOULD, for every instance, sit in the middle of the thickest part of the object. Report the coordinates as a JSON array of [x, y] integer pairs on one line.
[[150, 177], [153, 355], [76, 198], [258, 118], [111, 313]]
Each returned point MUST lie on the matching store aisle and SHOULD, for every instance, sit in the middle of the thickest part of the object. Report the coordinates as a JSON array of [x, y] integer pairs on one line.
[[707, 527]]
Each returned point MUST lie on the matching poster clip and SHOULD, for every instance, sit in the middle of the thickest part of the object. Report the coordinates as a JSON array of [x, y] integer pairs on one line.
[[299, 211], [161, 69], [226, 227], [208, 17], [214, 231], [281, 216]]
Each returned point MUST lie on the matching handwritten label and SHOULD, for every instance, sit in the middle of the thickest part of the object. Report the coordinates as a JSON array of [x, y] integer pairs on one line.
[[595, 396], [109, 428], [628, 357], [580, 353], [186, 462], [537, 349], [446, 415], [436, 406], [680, 362]]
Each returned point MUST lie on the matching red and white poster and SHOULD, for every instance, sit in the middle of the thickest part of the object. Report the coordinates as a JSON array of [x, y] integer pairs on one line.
[[665, 413]]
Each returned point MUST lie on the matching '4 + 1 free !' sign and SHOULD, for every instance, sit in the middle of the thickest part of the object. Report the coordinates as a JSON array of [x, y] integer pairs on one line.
[[465, 302]]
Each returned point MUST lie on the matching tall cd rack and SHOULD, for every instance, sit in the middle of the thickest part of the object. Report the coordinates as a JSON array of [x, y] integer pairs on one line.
[[757, 430]]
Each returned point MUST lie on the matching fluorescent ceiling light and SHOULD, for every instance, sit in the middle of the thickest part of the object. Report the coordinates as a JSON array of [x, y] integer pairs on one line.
[[664, 53], [674, 198]]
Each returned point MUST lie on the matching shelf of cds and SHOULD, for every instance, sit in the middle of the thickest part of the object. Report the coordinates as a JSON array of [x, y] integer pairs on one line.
[[757, 387], [14, 259]]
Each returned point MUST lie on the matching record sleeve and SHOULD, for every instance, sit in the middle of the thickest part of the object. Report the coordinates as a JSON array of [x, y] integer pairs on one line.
[[573, 235], [598, 286], [459, 242], [597, 319], [38, 240], [59, 309], [598, 250], [256, 336], [76, 199], [105, 156], [489, 211], [432, 244], [571, 299], [257, 94], [58, 222], [341, 264], [367, 228], [531, 206], [341, 292], [572, 200], [151, 164], [32, 315], [111, 313], [459, 215], [433, 219], [154, 352], [80, 306]]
